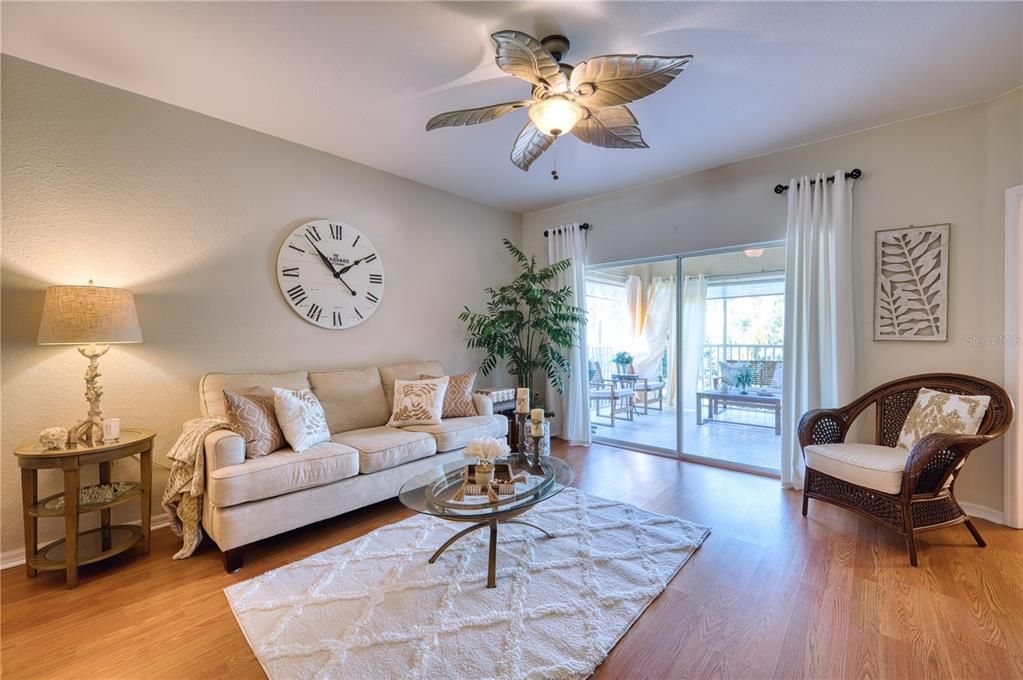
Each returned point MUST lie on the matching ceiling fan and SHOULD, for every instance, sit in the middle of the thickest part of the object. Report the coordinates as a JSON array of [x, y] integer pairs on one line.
[[587, 100]]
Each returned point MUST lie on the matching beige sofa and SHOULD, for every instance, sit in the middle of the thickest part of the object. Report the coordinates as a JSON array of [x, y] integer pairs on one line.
[[364, 462]]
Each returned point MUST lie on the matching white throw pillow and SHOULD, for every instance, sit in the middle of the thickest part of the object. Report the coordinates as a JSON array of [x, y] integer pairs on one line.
[[301, 418], [943, 413], [730, 370], [778, 379], [418, 402]]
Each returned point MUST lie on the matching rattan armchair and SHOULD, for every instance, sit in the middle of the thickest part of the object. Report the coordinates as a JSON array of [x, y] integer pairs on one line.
[[926, 499]]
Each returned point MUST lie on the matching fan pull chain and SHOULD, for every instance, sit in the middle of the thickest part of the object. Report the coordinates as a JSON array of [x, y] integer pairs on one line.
[[554, 147]]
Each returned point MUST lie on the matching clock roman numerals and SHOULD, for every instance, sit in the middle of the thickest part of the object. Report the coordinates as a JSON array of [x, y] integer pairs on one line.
[[330, 274], [297, 294]]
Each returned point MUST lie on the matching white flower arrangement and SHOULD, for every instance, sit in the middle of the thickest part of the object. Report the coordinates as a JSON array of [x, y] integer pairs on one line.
[[487, 449]]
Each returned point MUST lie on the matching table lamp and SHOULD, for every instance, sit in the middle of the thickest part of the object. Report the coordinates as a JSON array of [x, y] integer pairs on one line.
[[93, 317]]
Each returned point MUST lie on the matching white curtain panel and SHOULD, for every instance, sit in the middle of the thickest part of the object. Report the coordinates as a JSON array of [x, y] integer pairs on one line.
[[572, 407], [635, 310], [694, 311], [657, 327], [819, 351]]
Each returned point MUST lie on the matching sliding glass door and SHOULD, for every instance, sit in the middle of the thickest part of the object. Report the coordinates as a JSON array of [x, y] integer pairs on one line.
[[702, 342], [632, 336]]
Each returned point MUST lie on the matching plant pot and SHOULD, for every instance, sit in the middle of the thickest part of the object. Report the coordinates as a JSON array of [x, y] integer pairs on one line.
[[484, 474]]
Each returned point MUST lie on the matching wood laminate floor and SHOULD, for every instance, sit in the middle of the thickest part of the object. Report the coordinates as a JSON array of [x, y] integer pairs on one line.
[[769, 595]]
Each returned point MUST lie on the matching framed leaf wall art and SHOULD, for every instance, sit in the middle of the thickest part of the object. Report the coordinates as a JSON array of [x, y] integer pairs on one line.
[[911, 283]]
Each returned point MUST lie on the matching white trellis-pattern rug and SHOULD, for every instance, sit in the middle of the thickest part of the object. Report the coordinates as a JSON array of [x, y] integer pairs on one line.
[[374, 607]]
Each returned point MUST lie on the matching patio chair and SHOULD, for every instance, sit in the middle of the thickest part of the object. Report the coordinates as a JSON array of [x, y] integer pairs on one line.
[[644, 387], [907, 491], [620, 399]]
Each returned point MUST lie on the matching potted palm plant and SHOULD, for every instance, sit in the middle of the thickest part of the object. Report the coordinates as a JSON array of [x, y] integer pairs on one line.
[[528, 323]]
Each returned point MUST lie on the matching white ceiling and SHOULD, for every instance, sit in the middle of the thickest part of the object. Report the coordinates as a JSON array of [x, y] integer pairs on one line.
[[360, 80]]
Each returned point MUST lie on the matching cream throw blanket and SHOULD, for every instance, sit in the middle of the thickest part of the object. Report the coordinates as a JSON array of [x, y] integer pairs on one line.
[[182, 497]]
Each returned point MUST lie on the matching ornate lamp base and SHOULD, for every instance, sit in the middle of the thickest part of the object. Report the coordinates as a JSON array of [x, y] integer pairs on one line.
[[89, 430]]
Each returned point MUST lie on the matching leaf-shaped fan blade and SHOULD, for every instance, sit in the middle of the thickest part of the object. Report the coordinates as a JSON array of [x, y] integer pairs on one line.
[[529, 145], [524, 57], [614, 128], [483, 114], [616, 79]]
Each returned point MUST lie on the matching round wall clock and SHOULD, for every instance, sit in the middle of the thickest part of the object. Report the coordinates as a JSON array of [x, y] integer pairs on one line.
[[330, 274]]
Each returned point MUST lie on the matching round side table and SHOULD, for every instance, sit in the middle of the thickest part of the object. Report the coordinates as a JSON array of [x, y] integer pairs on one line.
[[75, 549]]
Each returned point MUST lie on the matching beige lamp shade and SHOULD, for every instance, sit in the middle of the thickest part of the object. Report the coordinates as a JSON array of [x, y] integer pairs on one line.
[[85, 315]]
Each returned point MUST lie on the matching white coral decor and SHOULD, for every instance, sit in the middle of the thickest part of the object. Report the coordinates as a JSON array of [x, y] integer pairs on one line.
[[487, 449]]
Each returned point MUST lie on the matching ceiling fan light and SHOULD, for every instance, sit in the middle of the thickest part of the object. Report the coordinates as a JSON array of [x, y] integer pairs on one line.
[[753, 252], [556, 115]]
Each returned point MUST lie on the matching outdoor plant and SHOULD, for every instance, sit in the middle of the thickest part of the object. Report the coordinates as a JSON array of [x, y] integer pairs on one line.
[[528, 323], [623, 359], [744, 377]]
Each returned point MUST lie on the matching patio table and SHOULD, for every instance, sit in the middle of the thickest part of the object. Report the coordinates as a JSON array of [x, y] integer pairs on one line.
[[714, 400]]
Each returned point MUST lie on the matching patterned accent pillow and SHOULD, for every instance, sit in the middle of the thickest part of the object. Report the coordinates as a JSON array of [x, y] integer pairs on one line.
[[730, 370], [251, 414], [942, 412], [301, 418], [418, 402], [458, 396]]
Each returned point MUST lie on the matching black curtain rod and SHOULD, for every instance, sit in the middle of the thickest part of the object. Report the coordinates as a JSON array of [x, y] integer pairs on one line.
[[855, 173], [584, 226]]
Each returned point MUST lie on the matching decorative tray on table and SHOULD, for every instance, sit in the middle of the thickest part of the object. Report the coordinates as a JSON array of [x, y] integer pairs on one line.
[[460, 491]]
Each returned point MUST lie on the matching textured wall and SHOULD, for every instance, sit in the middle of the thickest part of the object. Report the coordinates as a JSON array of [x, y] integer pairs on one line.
[[949, 167], [189, 212]]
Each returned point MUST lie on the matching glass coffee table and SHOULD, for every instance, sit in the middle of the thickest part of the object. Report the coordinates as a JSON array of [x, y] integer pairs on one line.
[[432, 493]]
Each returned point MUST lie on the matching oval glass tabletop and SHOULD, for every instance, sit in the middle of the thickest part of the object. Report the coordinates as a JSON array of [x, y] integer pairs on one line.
[[434, 492]]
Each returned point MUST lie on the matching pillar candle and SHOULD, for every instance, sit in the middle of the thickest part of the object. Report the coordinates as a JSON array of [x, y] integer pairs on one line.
[[522, 400], [536, 428], [536, 415]]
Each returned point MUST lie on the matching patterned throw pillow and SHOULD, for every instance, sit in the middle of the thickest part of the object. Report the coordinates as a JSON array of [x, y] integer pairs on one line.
[[729, 371], [301, 418], [458, 396], [418, 402], [942, 412], [251, 414]]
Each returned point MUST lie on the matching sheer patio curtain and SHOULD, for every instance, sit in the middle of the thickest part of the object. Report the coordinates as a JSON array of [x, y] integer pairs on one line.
[[694, 309], [818, 346], [572, 407], [635, 310], [658, 326]]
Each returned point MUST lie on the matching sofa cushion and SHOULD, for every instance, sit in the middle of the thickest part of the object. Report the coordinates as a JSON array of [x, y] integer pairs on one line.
[[212, 386], [385, 447], [869, 465], [388, 374], [253, 416], [279, 473], [456, 433], [458, 401], [352, 399]]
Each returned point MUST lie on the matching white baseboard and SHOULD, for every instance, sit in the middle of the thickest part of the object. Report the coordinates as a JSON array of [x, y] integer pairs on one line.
[[16, 558], [983, 512]]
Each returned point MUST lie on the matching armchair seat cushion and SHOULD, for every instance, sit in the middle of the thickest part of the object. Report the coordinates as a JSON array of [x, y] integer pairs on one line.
[[456, 433], [386, 447], [875, 467], [650, 385], [279, 473], [605, 393]]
